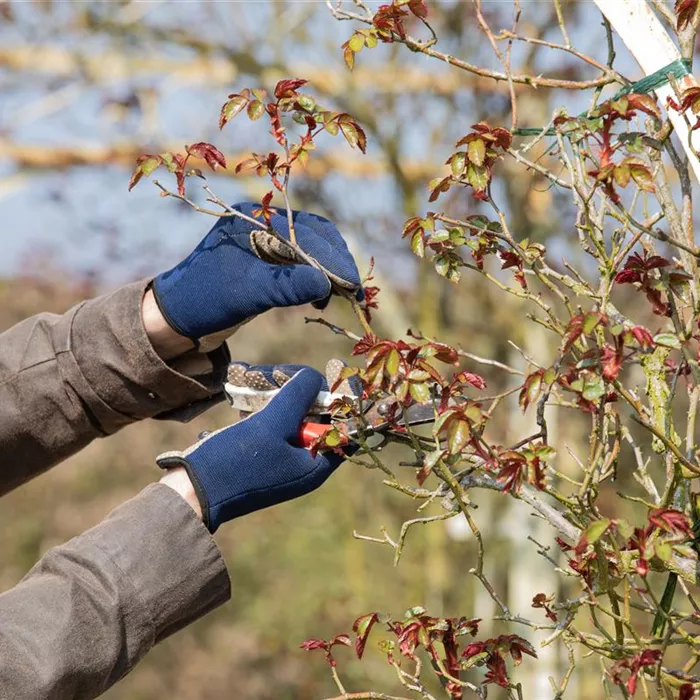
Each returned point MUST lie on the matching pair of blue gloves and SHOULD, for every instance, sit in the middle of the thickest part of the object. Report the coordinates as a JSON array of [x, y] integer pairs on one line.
[[236, 273]]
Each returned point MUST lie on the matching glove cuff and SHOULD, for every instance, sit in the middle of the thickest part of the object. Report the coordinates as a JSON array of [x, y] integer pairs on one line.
[[168, 318], [171, 460]]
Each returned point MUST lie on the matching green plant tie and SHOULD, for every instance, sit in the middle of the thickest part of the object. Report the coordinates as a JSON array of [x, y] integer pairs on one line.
[[679, 68]]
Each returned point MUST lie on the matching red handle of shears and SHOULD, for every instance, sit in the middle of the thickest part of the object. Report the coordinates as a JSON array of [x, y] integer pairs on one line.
[[310, 432]]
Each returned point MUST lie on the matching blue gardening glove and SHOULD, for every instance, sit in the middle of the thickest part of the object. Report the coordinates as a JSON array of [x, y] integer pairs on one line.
[[238, 272], [255, 463]]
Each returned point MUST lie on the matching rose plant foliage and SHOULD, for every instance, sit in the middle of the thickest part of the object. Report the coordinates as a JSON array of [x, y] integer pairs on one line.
[[630, 368]]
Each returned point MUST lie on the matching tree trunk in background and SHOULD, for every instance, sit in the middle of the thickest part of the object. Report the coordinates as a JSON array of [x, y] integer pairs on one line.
[[527, 572]]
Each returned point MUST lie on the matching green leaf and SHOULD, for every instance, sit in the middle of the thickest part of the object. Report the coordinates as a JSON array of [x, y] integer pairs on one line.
[[477, 152], [439, 236], [417, 244], [231, 108], [593, 389], [622, 175], [353, 133], [458, 434], [457, 236], [416, 611], [621, 105], [357, 42], [588, 362], [533, 388], [441, 420], [306, 102], [668, 340], [145, 165], [590, 322], [392, 362], [432, 458], [545, 452], [332, 438], [549, 376], [442, 265], [475, 660], [624, 528], [419, 392], [303, 157], [641, 174], [457, 163], [169, 161], [332, 128], [387, 646], [596, 530], [478, 177], [372, 39], [454, 274], [255, 110], [474, 414], [663, 550], [362, 627], [150, 164]]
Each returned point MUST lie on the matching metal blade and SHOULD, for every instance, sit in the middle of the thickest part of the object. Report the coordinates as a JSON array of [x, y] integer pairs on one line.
[[417, 414], [250, 400]]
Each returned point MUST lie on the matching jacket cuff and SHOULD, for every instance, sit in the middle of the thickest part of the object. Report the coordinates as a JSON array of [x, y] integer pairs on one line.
[[168, 561], [128, 380]]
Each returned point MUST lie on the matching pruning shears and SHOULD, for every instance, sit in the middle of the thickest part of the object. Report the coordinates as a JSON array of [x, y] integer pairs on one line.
[[379, 419]]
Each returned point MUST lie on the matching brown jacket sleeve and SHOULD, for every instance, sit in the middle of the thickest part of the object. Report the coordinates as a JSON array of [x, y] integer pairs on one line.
[[91, 608], [65, 380]]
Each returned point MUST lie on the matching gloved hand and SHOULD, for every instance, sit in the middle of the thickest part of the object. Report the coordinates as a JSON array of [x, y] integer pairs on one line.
[[256, 463], [238, 272]]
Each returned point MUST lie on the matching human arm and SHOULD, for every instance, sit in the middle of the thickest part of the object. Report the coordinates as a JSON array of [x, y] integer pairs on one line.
[[110, 361], [91, 609], [68, 379]]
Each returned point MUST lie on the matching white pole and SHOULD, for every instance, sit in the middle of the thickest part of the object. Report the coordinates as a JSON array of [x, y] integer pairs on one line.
[[652, 47]]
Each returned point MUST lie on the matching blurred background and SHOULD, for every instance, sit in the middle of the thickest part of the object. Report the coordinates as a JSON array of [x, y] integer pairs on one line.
[[85, 87]]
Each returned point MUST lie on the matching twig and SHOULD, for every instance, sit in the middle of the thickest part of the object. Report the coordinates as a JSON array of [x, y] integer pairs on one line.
[[336, 329]]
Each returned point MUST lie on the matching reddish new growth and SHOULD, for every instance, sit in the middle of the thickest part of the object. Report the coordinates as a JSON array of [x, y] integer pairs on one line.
[[686, 11], [690, 99], [473, 166], [176, 163], [493, 652], [598, 129], [476, 234], [633, 665], [402, 369], [287, 101], [439, 638], [651, 274], [388, 24], [542, 601], [514, 467], [327, 646]]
